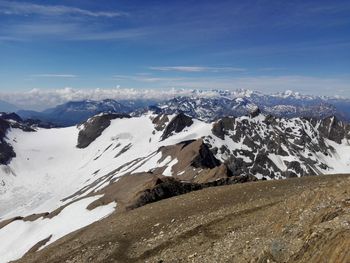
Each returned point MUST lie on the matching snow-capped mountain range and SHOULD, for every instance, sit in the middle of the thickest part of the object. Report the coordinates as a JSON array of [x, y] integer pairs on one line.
[[212, 105], [55, 181], [207, 105]]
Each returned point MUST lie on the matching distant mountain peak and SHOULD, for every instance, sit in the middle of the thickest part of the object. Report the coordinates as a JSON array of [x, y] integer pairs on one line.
[[75, 112], [206, 105]]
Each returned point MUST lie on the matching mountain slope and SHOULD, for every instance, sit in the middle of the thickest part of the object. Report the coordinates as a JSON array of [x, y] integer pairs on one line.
[[114, 162], [262, 146], [271, 147], [294, 220]]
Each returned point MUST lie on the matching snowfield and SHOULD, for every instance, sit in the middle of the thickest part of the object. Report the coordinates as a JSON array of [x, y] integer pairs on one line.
[[49, 169], [18, 237]]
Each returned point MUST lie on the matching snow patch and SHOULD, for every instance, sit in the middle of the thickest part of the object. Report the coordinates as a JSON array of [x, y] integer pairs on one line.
[[19, 236]]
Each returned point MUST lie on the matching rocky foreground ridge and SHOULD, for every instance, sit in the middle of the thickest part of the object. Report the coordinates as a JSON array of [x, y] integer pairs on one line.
[[295, 220]]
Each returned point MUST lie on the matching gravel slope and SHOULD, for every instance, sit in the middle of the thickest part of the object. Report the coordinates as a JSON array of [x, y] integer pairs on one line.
[[294, 220]]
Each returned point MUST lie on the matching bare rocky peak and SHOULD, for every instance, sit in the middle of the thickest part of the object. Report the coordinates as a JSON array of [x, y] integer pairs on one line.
[[176, 125], [93, 128]]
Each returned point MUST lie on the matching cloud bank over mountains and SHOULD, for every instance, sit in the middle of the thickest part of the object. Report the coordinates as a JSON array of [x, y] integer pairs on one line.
[[39, 99], [158, 87]]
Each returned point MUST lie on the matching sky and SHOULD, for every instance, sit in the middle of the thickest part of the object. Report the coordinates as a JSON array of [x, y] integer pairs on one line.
[[264, 45]]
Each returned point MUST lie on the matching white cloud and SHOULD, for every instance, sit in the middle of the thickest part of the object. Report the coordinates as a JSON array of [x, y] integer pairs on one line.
[[197, 69], [39, 99], [71, 31], [60, 22], [53, 76], [328, 86], [144, 77], [25, 8], [165, 88]]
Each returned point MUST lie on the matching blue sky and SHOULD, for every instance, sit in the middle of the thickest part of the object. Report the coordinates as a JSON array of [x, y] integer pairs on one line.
[[262, 45]]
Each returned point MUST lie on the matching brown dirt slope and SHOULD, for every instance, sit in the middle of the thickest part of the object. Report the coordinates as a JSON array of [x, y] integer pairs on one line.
[[294, 220]]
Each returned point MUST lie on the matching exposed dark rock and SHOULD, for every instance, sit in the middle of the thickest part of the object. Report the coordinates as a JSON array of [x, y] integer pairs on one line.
[[334, 129], [9, 221], [249, 142], [123, 150], [270, 120], [94, 127], [221, 126], [295, 167], [155, 109], [7, 121], [10, 116], [38, 245], [169, 187], [205, 158], [166, 188], [6, 150], [263, 165], [160, 122], [41, 124], [176, 125], [185, 143], [223, 149], [255, 112], [237, 166]]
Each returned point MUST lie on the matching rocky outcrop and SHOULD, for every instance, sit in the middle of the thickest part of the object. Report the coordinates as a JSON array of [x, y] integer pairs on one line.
[[10, 116], [255, 112], [7, 121], [93, 128], [160, 122], [205, 158], [137, 190], [221, 127], [333, 129], [169, 187], [176, 125], [6, 150], [194, 162], [36, 123], [272, 147]]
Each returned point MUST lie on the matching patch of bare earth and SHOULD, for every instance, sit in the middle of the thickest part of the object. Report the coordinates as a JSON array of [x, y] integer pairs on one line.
[[294, 220]]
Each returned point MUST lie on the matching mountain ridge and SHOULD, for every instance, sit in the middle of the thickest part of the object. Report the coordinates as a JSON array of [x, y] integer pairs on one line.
[[207, 105], [115, 162]]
